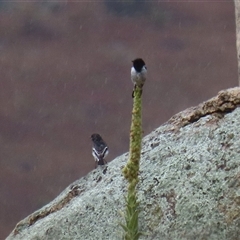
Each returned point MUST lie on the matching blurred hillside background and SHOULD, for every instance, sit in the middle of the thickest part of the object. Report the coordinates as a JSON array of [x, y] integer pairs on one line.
[[65, 74]]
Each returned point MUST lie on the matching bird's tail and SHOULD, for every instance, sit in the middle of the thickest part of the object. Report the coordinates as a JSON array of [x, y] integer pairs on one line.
[[101, 161]]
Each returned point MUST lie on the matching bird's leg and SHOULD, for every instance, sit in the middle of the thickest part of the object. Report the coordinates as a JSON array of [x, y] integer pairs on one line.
[[133, 91], [135, 88]]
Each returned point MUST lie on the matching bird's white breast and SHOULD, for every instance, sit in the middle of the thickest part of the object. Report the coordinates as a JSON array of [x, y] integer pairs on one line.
[[138, 78]]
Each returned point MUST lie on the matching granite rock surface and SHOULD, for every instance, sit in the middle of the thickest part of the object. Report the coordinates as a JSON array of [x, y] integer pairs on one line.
[[189, 184]]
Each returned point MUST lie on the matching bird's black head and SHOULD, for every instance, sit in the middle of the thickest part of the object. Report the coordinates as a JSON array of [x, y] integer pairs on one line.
[[96, 137], [138, 64]]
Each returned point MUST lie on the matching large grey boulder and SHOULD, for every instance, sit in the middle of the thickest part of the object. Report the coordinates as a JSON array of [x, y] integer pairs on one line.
[[189, 184]]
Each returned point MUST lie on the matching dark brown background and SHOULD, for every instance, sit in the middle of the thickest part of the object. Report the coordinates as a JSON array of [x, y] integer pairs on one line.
[[65, 73]]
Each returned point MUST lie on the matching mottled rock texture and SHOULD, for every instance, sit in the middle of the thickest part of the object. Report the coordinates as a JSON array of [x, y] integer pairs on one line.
[[189, 184]]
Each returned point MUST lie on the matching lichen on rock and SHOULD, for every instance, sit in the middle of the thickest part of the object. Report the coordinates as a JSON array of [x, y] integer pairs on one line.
[[189, 184]]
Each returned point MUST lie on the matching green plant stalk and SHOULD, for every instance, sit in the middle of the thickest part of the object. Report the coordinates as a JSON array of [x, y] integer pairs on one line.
[[131, 169]]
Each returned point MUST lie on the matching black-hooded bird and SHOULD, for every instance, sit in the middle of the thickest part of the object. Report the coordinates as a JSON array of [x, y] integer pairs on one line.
[[138, 73], [99, 149]]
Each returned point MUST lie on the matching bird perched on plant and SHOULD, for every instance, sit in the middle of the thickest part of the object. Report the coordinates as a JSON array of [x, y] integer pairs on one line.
[[138, 73], [99, 149]]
